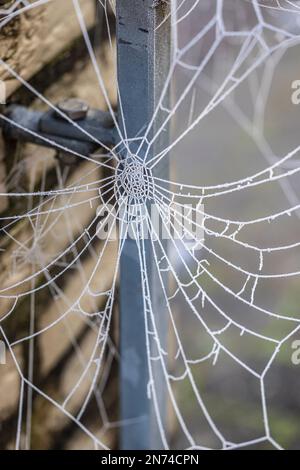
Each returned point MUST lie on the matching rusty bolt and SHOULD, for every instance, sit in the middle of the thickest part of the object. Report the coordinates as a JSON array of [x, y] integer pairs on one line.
[[74, 108]]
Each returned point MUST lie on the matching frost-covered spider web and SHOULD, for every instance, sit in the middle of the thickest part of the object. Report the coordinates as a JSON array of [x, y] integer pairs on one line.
[[232, 298]]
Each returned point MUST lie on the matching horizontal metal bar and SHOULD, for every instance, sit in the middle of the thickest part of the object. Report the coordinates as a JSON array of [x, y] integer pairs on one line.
[[47, 130]]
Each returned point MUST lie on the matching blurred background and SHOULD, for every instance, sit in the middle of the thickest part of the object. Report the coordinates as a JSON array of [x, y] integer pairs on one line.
[[232, 117]]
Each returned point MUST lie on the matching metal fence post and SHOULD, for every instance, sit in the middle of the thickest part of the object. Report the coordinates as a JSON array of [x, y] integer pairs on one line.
[[143, 53]]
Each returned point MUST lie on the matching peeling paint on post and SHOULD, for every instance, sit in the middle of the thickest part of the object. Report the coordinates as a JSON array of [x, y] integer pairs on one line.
[[143, 64]]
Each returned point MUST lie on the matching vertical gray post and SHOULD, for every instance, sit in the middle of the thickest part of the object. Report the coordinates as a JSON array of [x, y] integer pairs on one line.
[[143, 52]]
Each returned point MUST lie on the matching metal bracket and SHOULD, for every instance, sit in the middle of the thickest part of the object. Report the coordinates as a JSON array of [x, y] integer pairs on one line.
[[50, 129]]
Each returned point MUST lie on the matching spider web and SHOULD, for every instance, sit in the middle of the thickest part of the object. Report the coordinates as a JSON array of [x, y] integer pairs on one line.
[[231, 298]]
